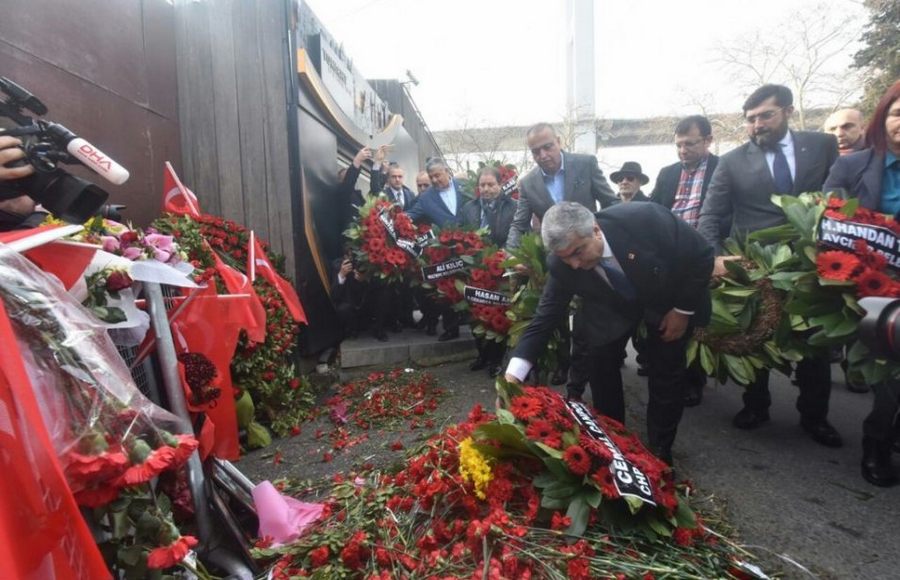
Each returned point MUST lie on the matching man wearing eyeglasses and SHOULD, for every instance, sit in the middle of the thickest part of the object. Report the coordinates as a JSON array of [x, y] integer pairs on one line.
[[682, 187], [775, 160]]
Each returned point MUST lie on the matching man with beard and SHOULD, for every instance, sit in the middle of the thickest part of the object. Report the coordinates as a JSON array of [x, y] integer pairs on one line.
[[848, 126], [776, 160]]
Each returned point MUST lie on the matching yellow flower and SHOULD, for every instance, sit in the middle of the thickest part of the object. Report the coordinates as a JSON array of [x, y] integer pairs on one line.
[[474, 467]]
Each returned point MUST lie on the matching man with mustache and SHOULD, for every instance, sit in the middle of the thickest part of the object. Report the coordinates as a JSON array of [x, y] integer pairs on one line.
[[775, 160]]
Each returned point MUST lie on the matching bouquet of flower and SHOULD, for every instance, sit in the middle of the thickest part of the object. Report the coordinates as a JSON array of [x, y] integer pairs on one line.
[[385, 242], [793, 293], [447, 259], [478, 501], [111, 441], [487, 292]]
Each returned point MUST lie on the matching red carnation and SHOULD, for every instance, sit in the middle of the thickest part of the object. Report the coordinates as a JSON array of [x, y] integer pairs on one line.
[[544, 432], [167, 556], [319, 557], [872, 283], [577, 460], [524, 407], [836, 265]]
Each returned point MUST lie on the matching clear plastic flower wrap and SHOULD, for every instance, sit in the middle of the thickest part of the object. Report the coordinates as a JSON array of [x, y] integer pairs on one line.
[[107, 435]]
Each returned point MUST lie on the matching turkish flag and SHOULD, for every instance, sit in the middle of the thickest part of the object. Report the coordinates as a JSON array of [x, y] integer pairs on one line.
[[177, 198], [254, 315], [210, 325], [42, 533], [66, 261], [258, 262]]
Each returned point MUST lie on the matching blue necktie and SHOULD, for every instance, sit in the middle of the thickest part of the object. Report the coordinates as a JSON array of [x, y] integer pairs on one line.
[[781, 173], [617, 279]]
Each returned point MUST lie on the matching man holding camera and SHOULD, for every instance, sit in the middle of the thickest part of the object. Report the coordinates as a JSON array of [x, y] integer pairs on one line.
[[14, 212]]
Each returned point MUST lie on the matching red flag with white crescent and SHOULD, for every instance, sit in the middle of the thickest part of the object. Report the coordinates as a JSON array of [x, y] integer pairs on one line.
[[254, 312], [177, 198], [258, 263]]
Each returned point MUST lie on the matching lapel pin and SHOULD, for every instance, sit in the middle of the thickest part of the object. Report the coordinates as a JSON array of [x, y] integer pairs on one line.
[[631, 255]]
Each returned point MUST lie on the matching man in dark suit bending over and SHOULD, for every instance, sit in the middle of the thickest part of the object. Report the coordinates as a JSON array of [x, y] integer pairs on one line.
[[629, 263], [774, 161]]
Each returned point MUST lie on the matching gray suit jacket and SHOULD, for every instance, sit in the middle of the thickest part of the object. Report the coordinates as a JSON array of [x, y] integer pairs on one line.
[[584, 184], [742, 186]]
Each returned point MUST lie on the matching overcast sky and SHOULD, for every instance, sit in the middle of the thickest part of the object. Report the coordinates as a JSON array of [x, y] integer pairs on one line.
[[498, 62]]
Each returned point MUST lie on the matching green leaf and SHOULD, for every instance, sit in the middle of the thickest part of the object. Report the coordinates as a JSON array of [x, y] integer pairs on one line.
[[707, 360], [505, 417], [556, 453], [692, 351], [634, 503], [579, 512], [543, 480], [593, 497], [131, 555], [561, 489]]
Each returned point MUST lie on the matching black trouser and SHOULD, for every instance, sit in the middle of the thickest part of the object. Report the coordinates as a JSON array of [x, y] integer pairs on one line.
[[383, 302], [880, 424], [490, 351], [665, 381], [579, 363], [814, 379]]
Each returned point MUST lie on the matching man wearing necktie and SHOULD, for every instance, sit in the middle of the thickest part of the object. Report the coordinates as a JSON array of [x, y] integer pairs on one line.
[[775, 160], [630, 263]]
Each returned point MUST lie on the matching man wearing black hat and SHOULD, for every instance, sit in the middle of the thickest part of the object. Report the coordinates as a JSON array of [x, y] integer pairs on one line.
[[630, 179]]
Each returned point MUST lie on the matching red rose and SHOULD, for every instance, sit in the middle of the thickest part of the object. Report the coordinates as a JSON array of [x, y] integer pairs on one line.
[[118, 280]]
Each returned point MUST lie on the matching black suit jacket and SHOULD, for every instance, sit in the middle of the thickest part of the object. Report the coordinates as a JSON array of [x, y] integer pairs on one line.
[[667, 261], [666, 185], [380, 187], [498, 223], [583, 183], [860, 175], [741, 189]]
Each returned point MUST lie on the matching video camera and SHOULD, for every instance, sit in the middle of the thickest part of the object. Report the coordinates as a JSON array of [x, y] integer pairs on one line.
[[879, 329], [47, 144]]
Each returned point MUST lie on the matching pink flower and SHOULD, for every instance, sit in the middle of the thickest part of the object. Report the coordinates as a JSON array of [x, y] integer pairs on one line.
[[161, 246], [110, 244], [132, 253]]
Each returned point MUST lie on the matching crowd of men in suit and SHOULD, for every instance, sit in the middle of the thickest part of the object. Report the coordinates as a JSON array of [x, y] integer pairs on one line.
[[651, 264]]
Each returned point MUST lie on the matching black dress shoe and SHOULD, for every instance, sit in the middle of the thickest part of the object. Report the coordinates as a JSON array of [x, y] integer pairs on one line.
[[747, 418], [876, 464], [448, 335], [822, 433], [478, 364], [431, 329], [494, 370], [559, 377], [693, 396]]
